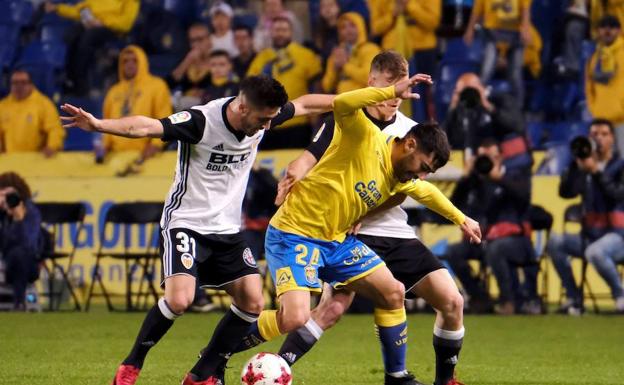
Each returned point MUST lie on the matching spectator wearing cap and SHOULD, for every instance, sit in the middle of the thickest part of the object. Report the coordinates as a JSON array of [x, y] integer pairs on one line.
[[243, 38], [29, 120], [221, 15], [272, 9], [604, 83], [296, 67]]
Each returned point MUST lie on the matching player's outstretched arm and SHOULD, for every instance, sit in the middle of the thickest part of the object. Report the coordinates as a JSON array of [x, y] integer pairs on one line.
[[129, 127], [313, 104], [349, 102], [432, 198], [296, 170]]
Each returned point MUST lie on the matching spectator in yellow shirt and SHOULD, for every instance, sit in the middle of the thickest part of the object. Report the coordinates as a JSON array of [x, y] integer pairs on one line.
[[138, 92], [349, 64], [409, 27], [505, 23], [99, 21], [604, 83], [29, 121], [600, 8], [296, 67]]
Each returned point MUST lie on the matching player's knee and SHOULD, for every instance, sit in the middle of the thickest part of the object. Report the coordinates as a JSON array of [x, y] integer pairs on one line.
[[179, 302], [395, 295], [293, 320], [453, 306], [254, 304]]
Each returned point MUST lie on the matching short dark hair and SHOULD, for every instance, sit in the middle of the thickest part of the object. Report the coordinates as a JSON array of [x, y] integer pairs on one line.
[[219, 53], [263, 91], [243, 27], [431, 139], [489, 142], [391, 62], [23, 71], [603, 121], [12, 179]]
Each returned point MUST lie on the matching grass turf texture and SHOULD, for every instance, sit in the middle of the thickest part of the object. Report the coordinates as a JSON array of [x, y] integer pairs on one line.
[[79, 348]]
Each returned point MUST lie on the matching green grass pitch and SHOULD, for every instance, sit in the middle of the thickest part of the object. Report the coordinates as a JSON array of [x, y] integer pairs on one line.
[[79, 348]]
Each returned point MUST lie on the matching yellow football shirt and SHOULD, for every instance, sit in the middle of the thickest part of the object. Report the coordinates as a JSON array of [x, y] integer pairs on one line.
[[354, 176]]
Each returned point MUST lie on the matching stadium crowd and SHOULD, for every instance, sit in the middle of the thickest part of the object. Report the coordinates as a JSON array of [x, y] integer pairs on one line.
[[509, 76]]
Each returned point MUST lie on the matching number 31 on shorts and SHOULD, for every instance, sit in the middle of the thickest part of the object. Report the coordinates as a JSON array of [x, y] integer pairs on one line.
[[187, 244]]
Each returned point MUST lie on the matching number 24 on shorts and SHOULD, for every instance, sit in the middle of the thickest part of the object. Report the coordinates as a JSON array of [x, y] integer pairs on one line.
[[303, 252]]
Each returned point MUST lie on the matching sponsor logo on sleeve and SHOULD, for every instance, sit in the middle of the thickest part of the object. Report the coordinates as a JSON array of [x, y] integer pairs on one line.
[[180, 117]]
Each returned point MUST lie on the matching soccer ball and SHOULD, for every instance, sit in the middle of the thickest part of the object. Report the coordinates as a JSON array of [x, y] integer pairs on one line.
[[266, 369]]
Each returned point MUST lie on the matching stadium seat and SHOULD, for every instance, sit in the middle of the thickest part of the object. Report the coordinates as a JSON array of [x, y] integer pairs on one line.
[[54, 216], [185, 10], [457, 51], [162, 65], [7, 55], [10, 33], [50, 53], [16, 12], [247, 19], [52, 28], [126, 215]]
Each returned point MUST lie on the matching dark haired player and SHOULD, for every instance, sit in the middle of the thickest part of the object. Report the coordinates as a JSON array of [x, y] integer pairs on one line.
[[200, 223], [387, 233]]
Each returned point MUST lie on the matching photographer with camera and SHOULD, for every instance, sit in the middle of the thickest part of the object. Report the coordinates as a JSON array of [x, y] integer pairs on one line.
[[499, 195], [597, 174], [20, 240], [474, 116]]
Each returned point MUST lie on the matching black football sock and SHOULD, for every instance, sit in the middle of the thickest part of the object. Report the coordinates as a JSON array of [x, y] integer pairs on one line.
[[300, 341], [447, 345], [227, 336], [156, 324]]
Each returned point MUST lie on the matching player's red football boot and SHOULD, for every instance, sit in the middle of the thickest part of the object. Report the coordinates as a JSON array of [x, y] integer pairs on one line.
[[453, 381], [188, 380], [126, 375]]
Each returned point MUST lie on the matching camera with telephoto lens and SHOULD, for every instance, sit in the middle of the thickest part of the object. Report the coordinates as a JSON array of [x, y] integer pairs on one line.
[[582, 147], [483, 165], [470, 98], [13, 200]]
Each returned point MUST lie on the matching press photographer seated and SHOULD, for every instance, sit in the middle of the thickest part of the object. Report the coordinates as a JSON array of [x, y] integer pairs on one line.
[[20, 244], [597, 174]]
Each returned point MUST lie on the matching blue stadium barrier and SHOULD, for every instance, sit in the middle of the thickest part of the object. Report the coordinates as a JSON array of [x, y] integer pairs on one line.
[[16, 12]]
